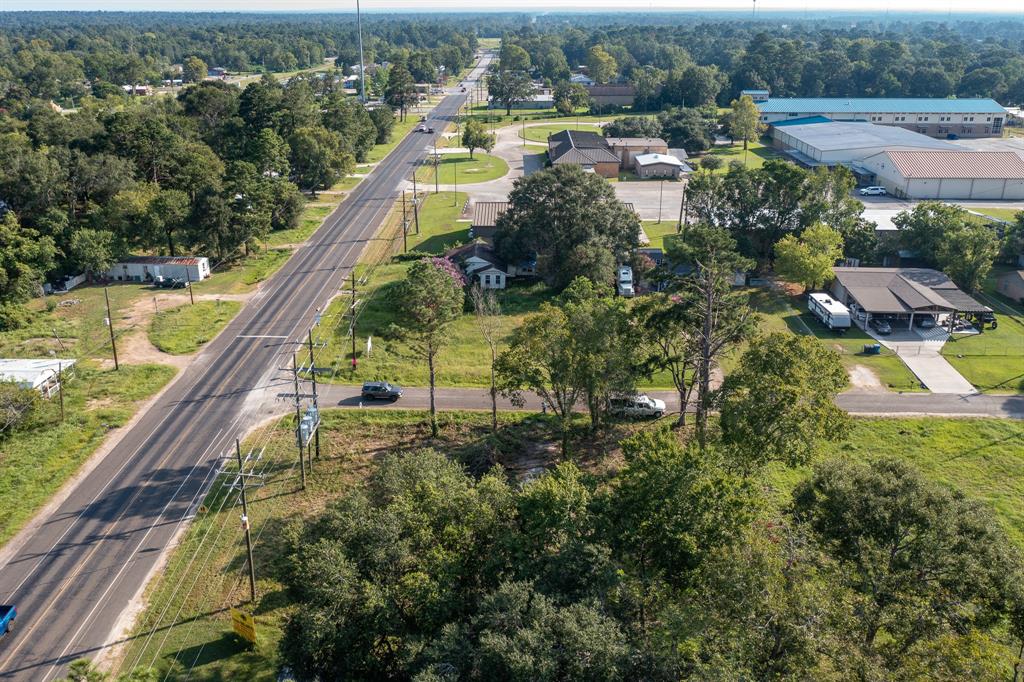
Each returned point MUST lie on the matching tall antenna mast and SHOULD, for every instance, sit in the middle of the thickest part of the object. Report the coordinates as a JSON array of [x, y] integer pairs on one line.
[[753, 11], [362, 64]]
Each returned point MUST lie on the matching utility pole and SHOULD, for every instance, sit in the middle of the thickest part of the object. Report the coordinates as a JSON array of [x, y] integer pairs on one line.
[[316, 403], [682, 210], [455, 199], [405, 226], [110, 326], [245, 524], [60, 388], [415, 198], [298, 421], [352, 319], [362, 64], [661, 195], [437, 166], [188, 278]]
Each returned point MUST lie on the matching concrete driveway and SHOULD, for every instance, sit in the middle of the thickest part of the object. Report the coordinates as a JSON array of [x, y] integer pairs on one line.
[[921, 352]]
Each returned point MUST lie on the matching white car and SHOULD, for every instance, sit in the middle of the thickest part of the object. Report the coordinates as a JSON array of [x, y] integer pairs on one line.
[[635, 406], [873, 191]]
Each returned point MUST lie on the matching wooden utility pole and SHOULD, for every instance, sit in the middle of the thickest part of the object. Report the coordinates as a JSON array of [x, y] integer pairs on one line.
[[188, 278], [110, 326], [245, 523], [312, 373], [682, 210], [60, 388], [298, 421], [352, 319], [415, 199], [405, 225]]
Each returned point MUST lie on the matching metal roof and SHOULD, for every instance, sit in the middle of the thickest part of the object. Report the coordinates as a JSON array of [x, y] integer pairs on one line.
[[837, 135], [572, 146], [162, 260], [637, 142], [651, 159], [904, 290], [879, 105], [959, 165], [32, 372], [486, 213], [802, 121]]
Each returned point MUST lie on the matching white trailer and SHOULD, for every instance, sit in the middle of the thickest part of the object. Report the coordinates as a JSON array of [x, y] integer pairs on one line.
[[831, 312]]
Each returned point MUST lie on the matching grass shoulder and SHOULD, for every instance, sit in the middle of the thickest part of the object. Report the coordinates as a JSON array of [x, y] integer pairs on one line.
[[182, 330]]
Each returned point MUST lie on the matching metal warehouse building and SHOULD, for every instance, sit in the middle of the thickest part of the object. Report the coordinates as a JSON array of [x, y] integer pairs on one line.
[[932, 117], [938, 174], [830, 143]]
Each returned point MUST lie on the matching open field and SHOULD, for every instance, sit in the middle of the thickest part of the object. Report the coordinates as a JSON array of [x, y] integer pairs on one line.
[[540, 133], [1007, 214], [187, 627], [461, 169], [439, 226], [44, 452], [661, 232], [182, 330]]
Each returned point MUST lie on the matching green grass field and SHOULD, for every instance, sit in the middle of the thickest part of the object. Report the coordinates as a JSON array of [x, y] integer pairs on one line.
[[754, 157], [1007, 214], [439, 226], [36, 459], [539, 133], [182, 330], [460, 168], [658, 233], [187, 622]]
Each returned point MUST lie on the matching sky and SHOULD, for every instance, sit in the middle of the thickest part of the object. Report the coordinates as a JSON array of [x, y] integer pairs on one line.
[[861, 6]]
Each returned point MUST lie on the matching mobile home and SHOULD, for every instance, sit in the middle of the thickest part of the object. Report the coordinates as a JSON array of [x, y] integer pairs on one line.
[[831, 312]]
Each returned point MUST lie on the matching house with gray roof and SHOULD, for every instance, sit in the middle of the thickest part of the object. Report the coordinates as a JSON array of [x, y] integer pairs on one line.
[[588, 150]]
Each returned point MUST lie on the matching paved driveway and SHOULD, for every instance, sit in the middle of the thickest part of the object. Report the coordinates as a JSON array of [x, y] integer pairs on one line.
[[921, 353]]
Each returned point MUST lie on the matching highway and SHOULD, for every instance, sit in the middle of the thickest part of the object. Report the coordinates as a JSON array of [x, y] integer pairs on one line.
[[76, 568]]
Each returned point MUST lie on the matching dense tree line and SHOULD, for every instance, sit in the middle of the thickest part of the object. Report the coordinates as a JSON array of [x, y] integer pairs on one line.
[[66, 55], [691, 63]]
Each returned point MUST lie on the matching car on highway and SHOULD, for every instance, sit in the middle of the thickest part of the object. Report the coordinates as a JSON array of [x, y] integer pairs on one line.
[[873, 191], [7, 615], [881, 325], [381, 390], [636, 406]]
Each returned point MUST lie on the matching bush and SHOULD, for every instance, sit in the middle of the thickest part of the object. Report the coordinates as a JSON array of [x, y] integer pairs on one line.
[[711, 162]]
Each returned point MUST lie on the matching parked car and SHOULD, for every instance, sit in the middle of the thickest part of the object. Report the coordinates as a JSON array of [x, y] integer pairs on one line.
[[381, 390], [925, 322], [625, 282], [881, 325], [873, 191], [635, 406], [7, 615], [161, 282]]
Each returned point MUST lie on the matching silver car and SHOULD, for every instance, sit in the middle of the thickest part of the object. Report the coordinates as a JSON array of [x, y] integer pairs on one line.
[[636, 406]]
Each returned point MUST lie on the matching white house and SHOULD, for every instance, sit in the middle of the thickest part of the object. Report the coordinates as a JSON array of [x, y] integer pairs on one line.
[[479, 263], [147, 268], [660, 166], [43, 375]]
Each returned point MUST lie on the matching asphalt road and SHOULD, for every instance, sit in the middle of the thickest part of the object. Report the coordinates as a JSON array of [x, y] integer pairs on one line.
[[855, 402], [74, 570]]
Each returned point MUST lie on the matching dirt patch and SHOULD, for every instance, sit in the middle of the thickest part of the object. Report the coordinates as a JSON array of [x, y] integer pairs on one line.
[[133, 346], [99, 404], [864, 379]]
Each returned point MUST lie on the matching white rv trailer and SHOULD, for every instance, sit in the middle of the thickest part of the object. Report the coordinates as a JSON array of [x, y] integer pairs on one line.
[[831, 312]]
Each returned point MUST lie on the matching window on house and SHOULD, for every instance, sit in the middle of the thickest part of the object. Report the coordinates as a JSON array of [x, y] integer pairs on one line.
[[487, 279]]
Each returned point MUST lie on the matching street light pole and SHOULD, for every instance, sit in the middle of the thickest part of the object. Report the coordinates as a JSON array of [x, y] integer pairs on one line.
[[362, 63], [661, 195]]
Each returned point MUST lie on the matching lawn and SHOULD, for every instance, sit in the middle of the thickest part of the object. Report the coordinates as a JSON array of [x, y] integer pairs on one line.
[[36, 459], [780, 313], [182, 330], [461, 169], [540, 133], [994, 360], [1007, 214], [755, 157], [186, 624], [439, 226], [658, 233]]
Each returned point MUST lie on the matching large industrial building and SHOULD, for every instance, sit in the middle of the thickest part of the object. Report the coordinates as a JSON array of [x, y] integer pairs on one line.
[[820, 142], [936, 174], [945, 118]]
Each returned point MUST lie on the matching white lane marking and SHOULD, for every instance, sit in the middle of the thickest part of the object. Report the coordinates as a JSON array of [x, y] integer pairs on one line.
[[260, 336]]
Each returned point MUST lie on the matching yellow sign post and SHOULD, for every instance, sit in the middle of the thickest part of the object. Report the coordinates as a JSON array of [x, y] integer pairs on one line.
[[244, 625]]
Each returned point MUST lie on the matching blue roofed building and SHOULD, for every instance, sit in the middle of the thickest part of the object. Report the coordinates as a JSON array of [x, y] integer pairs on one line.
[[942, 118]]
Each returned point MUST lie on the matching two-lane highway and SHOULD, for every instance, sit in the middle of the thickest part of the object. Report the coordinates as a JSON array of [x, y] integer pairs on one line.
[[73, 572]]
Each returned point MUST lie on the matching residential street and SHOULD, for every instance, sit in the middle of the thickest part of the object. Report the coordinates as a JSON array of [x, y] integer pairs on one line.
[[73, 571], [864, 403]]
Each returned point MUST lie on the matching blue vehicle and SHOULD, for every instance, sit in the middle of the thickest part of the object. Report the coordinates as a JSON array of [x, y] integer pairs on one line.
[[7, 615]]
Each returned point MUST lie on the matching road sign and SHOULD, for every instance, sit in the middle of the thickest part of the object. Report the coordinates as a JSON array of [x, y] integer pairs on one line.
[[244, 625]]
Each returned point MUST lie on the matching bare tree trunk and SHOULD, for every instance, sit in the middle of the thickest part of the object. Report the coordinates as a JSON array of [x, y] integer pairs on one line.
[[494, 398], [681, 422], [704, 370]]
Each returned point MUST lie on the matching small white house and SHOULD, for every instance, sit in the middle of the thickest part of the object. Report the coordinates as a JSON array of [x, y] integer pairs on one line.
[[42, 375], [147, 268], [479, 263]]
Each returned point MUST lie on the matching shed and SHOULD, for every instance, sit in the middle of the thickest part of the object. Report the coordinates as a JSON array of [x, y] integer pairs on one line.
[[146, 268], [1011, 285], [485, 219], [43, 375]]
